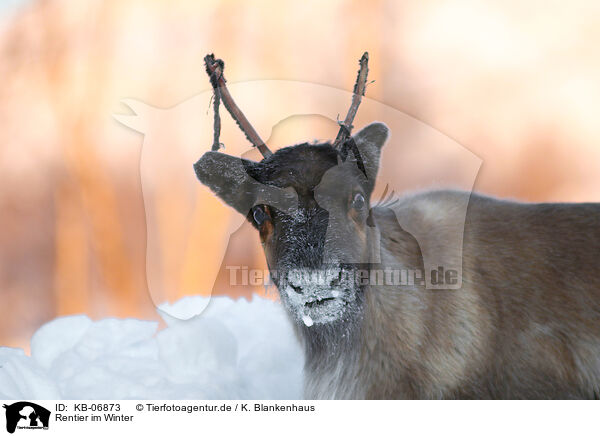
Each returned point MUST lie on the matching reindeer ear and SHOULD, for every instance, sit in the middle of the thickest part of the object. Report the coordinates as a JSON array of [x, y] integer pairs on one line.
[[229, 177], [369, 141], [235, 181]]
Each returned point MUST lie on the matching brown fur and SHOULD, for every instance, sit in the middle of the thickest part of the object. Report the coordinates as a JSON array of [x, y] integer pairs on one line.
[[526, 323]]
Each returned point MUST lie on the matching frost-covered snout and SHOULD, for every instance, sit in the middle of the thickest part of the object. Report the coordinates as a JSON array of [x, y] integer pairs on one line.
[[318, 296]]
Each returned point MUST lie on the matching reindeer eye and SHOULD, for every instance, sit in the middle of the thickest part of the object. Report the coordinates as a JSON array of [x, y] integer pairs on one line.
[[358, 202], [259, 216]]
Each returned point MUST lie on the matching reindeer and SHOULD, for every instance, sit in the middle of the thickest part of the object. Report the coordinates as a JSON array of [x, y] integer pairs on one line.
[[524, 321]]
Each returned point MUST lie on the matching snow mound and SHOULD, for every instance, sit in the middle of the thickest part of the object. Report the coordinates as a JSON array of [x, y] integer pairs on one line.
[[235, 349]]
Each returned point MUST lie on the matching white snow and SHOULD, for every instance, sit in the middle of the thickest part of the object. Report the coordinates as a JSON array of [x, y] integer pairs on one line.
[[235, 349], [307, 320]]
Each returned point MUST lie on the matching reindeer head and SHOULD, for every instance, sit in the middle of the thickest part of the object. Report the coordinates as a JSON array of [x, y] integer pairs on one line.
[[310, 204]]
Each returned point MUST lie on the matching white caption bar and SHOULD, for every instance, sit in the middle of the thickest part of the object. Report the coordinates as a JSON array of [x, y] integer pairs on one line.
[[173, 417]]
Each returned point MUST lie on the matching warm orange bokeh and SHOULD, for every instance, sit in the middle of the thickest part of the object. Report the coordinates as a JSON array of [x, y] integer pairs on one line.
[[514, 82]]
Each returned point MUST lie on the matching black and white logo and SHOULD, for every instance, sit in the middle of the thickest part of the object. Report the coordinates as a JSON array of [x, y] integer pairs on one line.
[[26, 415]]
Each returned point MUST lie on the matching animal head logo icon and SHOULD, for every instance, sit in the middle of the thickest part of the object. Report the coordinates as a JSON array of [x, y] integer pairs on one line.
[[184, 217]]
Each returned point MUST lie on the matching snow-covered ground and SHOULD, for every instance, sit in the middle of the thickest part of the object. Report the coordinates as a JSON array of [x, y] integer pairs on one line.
[[234, 349]]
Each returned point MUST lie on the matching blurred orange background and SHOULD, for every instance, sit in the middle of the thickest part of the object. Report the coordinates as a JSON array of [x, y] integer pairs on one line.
[[514, 82]]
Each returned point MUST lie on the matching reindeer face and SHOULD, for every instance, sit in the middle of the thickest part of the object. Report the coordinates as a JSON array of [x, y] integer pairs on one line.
[[310, 205]]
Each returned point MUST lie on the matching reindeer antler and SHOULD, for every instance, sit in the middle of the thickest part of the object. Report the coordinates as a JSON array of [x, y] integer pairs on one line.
[[214, 69], [359, 91]]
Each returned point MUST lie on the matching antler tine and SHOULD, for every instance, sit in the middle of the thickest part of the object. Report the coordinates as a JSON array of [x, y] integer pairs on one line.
[[214, 69], [359, 91]]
